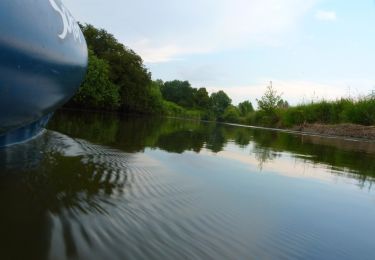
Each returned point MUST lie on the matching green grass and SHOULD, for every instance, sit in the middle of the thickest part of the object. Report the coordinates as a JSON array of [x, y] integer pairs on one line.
[[360, 111]]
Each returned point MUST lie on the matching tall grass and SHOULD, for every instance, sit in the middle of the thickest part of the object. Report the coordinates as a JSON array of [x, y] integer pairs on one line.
[[345, 110]]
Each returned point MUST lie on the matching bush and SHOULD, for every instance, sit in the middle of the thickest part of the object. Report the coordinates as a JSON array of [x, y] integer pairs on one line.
[[97, 91], [266, 119], [293, 116], [231, 114], [172, 109], [339, 111], [362, 112]]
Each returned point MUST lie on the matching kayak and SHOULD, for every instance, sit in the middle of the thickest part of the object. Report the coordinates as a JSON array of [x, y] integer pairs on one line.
[[43, 61]]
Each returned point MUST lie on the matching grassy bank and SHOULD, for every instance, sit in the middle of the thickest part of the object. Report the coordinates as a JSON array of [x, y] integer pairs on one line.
[[343, 111], [360, 111]]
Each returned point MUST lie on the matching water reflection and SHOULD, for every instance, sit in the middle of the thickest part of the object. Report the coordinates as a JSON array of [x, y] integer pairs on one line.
[[53, 175], [132, 134], [89, 188]]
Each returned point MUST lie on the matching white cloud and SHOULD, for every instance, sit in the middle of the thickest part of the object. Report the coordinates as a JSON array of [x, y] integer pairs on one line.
[[178, 28], [161, 54], [164, 53], [325, 15]]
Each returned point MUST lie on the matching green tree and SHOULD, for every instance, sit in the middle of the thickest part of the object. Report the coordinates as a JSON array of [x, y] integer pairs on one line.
[[179, 92], [154, 101], [202, 99], [245, 108], [268, 102], [283, 104], [219, 102], [231, 114], [97, 91], [159, 83], [125, 66]]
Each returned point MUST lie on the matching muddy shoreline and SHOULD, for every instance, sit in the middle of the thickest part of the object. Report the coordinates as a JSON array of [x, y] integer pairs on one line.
[[339, 130]]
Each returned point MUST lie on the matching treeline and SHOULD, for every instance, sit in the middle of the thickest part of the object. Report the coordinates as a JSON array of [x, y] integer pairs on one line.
[[217, 106], [273, 110], [117, 80]]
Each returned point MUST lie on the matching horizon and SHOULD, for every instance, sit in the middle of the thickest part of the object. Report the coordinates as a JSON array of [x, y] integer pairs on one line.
[[310, 50]]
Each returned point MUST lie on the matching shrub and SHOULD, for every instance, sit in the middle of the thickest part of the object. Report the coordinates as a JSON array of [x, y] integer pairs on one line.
[[231, 114], [293, 116]]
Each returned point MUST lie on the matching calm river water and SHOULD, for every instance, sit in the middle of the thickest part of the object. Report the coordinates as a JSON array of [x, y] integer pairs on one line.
[[108, 187]]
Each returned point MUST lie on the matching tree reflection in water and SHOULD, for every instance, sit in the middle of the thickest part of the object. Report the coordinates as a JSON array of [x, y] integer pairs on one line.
[[134, 134], [53, 175], [65, 178]]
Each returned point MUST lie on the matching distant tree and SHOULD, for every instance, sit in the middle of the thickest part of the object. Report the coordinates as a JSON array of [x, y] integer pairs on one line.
[[245, 108], [159, 83], [268, 102], [219, 102], [97, 91], [202, 99], [283, 104], [179, 92]]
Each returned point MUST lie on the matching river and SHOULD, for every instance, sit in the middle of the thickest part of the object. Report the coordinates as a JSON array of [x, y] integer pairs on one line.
[[103, 186]]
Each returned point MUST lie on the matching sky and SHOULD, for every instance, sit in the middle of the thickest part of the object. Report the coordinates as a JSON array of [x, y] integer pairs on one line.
[[309, 49]]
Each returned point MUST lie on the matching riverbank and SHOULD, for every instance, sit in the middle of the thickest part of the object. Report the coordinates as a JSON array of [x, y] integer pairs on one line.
[[355, 131], [339, 130]]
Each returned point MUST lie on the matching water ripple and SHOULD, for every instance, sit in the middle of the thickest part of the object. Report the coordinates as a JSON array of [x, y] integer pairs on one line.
[[91, 201]]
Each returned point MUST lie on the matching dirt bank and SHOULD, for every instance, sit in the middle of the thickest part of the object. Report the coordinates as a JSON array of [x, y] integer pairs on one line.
[[344, 130]]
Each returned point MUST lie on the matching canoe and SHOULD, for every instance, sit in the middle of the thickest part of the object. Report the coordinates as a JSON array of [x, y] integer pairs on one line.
[[43, 60]]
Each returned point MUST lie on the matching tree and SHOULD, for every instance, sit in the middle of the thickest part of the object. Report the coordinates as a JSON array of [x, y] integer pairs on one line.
[[97, 91], [245, 108], [126, 69], [231, 114], [283, 104], [179, 92], [268, 102], [202, 99], [159, 83], [154, 101], [219, 102]]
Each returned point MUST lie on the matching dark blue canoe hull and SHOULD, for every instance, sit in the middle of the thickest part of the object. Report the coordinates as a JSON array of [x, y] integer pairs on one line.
[[24, 133], [43, 60]]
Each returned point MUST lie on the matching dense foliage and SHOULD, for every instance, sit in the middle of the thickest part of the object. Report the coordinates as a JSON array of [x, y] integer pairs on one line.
[[179, 92], [361, 111], [118, 80], [245, 108], [220, 102], [193, 101], [97, 91]]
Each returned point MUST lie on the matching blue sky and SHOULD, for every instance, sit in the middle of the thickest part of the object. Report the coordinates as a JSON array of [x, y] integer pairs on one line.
[[310, 49]]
